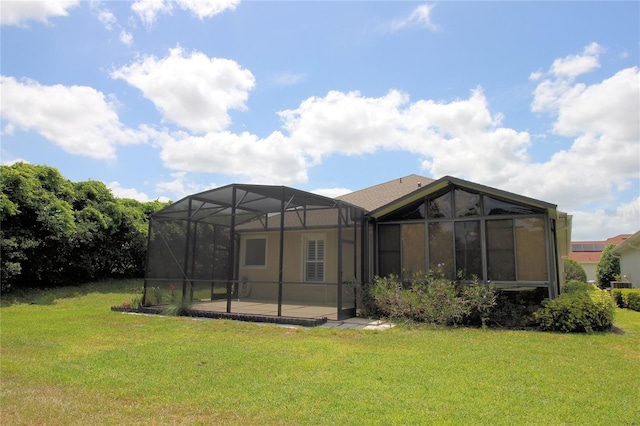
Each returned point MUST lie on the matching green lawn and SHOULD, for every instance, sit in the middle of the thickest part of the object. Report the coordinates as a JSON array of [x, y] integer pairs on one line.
[[67, 359]]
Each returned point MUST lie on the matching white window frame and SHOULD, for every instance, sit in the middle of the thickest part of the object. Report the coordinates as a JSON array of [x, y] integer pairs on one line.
[[305, 251], [244, 251]]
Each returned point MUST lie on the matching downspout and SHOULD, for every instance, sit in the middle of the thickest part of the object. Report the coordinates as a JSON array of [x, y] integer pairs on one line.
[[554, 234]]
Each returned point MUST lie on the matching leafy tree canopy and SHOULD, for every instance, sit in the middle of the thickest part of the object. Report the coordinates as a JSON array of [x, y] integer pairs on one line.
[[608, 267], [58, 232]]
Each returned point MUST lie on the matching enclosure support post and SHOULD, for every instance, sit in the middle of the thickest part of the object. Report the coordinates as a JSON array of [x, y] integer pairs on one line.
[[281, 255], [146, 264], [186, 254], [339, 261], [232, 249]]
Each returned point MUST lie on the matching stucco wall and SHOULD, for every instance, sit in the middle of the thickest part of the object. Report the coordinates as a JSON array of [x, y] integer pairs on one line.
[[265, 279], [630, 266]]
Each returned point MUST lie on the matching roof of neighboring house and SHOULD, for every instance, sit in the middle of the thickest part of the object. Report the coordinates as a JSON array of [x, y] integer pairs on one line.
[[631, 243], [593, 254], [586, 256], [379, 195]]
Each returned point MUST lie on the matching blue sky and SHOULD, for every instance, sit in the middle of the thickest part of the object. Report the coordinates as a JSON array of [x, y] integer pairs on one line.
[[161, 99]]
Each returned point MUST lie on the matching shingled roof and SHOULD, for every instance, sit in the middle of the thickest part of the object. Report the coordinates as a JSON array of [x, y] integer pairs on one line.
[[379, 195]]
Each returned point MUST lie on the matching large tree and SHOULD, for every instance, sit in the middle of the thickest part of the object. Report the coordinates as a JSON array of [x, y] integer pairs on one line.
[[58, 232]]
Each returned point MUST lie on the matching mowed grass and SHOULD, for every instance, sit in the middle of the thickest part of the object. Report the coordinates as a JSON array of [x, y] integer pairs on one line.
[[67, 359]]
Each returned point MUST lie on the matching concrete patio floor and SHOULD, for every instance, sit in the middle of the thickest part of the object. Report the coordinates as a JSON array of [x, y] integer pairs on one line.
[[267, 308], [293, 310]]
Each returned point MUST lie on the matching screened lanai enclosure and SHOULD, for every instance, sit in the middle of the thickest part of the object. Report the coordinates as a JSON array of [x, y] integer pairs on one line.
[[257, 250]]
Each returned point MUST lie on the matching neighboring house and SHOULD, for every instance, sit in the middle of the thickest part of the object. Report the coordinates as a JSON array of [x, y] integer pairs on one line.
[[588, 253], [285, 252], [629, 253]]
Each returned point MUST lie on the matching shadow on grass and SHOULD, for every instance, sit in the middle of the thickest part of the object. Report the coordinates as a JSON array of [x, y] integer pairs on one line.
[[47, 296]]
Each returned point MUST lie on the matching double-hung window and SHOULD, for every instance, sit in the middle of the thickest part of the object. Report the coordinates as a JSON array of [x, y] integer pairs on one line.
[[314, 258]]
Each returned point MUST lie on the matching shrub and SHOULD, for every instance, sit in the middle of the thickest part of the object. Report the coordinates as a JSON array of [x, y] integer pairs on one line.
[[431, 300], [578, 310], [574, 271], [576, 286], [514, 309], [627, 298]]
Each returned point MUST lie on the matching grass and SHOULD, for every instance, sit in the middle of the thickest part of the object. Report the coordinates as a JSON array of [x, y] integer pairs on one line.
[[65, 358]]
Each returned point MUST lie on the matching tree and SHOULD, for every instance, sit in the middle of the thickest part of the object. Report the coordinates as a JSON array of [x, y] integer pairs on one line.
[[608, 267], [573, 271], [37, 224], [57, 232]]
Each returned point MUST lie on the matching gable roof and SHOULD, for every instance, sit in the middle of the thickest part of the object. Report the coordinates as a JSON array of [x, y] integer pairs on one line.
[[379, 195], [591, 251], [436, 185], [630, 243]]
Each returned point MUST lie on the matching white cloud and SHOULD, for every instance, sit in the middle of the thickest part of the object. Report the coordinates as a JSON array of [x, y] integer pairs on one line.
[[180, 187], [18, 13], [107, 18], [121, 192], [77, 118], [207, 8], [420, 17], [332, 192], [575, 65], [561, 75], [610, 108], [193, 90], [604, 119], [14, 161], [126, 38], [602, 224], [149, 10], [269, 160]]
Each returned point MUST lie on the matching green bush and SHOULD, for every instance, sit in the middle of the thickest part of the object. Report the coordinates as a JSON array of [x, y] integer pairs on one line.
[[431, 300], [577, 310], [575, 286], [627, 298], [574, 271]]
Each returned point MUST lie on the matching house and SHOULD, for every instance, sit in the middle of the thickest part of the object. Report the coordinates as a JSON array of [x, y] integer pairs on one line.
[[588, 253], [279, 251], [629, 253]]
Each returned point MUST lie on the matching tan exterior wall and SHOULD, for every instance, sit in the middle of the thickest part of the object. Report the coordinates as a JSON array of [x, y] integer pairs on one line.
[[264, 280]]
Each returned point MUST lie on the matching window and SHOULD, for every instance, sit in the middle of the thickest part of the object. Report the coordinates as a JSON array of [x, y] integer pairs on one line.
[[531, 249], [468, 249], [501, 263], [255, 252], [314, 259], [389, 250], [467, 203], [516, 250], [413, 250], [441, 248]]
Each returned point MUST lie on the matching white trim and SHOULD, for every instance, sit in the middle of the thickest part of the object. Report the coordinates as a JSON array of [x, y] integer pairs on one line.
[[314, 237]]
